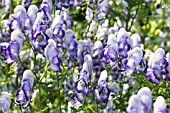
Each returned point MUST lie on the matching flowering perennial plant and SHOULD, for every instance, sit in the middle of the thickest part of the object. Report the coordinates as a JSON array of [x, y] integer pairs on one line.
[[88, 56]]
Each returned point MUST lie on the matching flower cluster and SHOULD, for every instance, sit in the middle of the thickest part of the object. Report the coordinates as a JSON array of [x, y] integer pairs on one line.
[[73, 68], [142, 103]]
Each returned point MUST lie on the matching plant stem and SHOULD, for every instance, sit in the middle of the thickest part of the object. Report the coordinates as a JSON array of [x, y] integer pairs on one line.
[[97, 106], [59, 98], [39, 85]]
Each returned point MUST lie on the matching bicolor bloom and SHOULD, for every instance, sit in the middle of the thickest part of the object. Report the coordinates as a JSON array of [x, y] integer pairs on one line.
[[19, 19], [26, 3], [97, 49], [160, 105], [135, 41], [168, 68], [51, 55], [76, 103], [89, 14], [46, 9], [7, 4], [109, 106], [84, 47], [157, 66], [103, 92], [32, 14], [23, 94], [114, 88], [67, 20], [134, 105], [103, 8], [57, 28], [123, 40], [134, 58], [5, 101], [145, 97], [70, 43], [14, 47], [81, 85], [111, 51], [89, 60]]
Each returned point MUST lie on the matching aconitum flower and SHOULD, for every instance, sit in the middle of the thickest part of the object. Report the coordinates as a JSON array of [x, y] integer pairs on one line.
[[160, 105], [38, 26], [89, 14], [103, 8], [97, 49], [134, 58], [5, 101], [103, 92], [134, 105], [77, 104], [14, 47], [168, 68], [67, 20], [32, 13], [51, 55], [58, 31], [89, 60], [46, 10], [157, 66], [109, 106], [123, 40], [7, 4], [114, 88], [135, 41], [19, 19], [23, 94], [111, 51], [84, 47], [70, 43], [26, 3], [145, 97], [81, 85]]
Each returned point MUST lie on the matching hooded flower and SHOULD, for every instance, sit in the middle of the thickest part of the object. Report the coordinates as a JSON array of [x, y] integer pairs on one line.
[[23, 94], [145, 97], [70, 43], [89, 60], [14, 47], [134, 58], [103, 92], [134, 105], [123, 40], [114, 88], [157, 66], [160, 105], [81, 85], [135, 41], [51, 55], [58, 30], [67, 20], [111, 51], [32, 13], [19, 19], [7, 4], [89, 14], [103, 8], [5, 101]]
